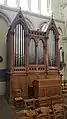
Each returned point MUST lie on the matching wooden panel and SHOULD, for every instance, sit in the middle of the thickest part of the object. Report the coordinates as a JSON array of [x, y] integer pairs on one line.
[[19, 82], [46, 87]]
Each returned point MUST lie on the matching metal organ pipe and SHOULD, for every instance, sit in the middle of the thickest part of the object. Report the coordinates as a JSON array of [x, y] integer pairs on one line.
[[14, 48], [18, 45], [23, 47]]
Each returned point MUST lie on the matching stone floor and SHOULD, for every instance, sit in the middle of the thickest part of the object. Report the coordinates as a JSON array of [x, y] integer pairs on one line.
[[7, 111]]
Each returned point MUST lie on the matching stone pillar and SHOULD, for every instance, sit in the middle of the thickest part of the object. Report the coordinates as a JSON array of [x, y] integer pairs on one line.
[[29, 5], [55, 8], [65, 57], [39, 6], [49, 7], [18, 3]]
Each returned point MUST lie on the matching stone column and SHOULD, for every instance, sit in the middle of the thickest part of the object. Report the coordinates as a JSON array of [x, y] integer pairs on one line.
[[65, 57], [39, 6], [18, 3], [29, 5], [49, 10]]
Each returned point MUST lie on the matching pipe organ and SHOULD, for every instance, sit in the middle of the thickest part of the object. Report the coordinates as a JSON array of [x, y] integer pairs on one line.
[[33, 59]]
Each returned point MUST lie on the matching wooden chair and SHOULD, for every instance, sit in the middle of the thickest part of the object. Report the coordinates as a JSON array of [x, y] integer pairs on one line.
[[25, 114], [42, 113], [42, 101], [29, 103], [58, 111], [36, 103], [57, 99], [17, 97]]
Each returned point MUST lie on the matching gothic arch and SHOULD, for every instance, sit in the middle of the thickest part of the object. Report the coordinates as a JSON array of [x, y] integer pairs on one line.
[[40, 51], [5, 17], [41, 40], [41, 25], [59, 28], [30, 40], [29, 23], [32, 52]]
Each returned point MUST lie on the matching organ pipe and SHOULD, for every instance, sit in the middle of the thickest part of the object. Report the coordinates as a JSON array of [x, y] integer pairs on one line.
[[18, 45]]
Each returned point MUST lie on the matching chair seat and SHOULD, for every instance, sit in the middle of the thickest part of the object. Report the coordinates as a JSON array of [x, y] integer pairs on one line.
[[18, 98]]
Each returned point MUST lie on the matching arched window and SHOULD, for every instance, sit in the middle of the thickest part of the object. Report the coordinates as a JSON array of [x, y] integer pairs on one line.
[[51, 49], [18, 45], [32, 51], [40, 52]]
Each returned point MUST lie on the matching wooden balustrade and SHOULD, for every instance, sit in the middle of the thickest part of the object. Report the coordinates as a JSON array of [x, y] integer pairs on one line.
[[30, 68]]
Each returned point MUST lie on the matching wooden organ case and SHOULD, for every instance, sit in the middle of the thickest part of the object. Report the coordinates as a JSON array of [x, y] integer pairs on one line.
[[33, 59]]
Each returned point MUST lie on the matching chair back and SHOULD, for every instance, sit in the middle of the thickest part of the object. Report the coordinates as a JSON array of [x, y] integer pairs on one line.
[[17, 93]]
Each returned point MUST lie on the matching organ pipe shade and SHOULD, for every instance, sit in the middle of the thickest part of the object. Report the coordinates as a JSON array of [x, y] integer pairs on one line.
[[32, 51], [51, 49], [40, 52], [18, 45]]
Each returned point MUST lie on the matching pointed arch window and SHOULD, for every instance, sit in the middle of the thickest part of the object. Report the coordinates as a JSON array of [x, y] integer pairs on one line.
[[32, 51], [51, 49], [40, 50], [19, 45]]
